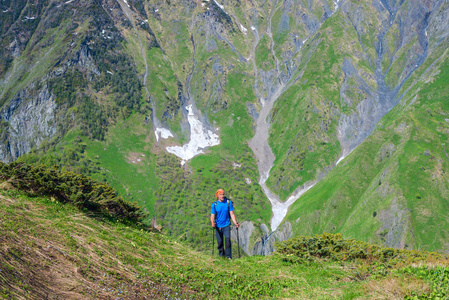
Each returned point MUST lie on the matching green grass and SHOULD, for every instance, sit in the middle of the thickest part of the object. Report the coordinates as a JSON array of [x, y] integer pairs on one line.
[[264, 57], [302, 134], [135, 181], [368, 183], [100, 258]]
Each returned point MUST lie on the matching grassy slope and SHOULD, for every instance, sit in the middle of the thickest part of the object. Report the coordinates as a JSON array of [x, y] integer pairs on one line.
[[303, 133], [397, 172], [82, 256]]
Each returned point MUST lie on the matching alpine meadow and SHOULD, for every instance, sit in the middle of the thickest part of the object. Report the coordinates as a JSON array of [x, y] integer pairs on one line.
[[326, 122]]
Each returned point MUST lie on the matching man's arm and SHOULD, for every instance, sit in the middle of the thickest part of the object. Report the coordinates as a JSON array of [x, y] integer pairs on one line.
[[234, 219], [212, 220]]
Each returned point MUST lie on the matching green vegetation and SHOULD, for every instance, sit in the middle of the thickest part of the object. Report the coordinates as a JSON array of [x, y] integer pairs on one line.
[[97, 257], [388, 177], [264, 58], [81, 191], [302, 135], [334, 247], [391, 190], [438, 277]]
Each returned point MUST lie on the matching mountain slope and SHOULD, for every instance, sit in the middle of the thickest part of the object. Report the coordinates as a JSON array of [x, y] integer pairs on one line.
[[53, 250], [170, 100], [395, 184]]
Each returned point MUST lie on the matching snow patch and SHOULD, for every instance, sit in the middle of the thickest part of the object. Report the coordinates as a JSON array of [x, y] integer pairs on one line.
[[200, 138], [336, 4], [163, 133], [340, 159], [280, 209], [220, 6], [244, 30]]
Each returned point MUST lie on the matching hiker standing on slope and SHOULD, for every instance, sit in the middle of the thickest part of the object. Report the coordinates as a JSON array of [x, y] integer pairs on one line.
[[221, 212]]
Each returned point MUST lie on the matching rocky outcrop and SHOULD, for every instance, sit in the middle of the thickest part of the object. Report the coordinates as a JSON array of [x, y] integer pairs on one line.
[[395, 228], [260, 241], [246, 229], [265, 244], [31, 118]]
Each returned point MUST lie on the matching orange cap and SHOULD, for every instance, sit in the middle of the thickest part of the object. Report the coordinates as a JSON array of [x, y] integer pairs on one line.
[[219, 192]]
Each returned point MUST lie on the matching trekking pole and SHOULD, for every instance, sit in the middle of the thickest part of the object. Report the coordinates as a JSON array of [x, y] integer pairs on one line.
[[238, 241], [213, 241]]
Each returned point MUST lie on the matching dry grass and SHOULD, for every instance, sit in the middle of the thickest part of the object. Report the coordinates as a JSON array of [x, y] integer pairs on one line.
[[64, 259], [395, 288]]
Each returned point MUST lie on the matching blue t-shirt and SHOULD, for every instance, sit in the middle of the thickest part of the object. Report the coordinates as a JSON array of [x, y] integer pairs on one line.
[[222, 216]]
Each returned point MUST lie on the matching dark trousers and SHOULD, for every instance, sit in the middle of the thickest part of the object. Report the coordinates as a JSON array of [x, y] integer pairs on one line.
[[226, 232]]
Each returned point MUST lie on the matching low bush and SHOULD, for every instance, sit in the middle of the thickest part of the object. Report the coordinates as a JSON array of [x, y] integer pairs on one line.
[[335, 247], [68, 187]]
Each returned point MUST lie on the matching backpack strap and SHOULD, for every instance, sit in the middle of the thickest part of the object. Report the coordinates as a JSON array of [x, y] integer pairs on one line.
[[229, 212]]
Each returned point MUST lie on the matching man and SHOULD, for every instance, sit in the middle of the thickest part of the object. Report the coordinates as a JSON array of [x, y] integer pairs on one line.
[[221, 212]]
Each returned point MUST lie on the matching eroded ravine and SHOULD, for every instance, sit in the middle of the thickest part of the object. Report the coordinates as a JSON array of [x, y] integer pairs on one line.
[[259, 143], [387, 99]]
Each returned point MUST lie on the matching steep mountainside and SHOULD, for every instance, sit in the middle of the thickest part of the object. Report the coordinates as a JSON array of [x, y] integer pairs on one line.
[[342, 102]]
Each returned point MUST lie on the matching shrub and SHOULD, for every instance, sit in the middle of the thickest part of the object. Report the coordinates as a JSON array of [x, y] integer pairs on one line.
[[335, 247], [68, 187]]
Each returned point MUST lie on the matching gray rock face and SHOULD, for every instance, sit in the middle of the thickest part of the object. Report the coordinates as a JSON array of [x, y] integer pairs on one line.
[[246, 229], [395, 225], [376, 102], [31, 119], [31, 114], [265, 244]]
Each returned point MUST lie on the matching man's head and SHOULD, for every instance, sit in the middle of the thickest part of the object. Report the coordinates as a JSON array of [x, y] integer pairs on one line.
[[220, 194]]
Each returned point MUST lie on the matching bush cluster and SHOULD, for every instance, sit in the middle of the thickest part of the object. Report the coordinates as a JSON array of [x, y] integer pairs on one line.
[[335, 247], [68, 187]]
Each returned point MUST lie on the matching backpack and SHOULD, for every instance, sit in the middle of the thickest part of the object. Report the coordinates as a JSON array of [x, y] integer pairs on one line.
[[229, 212]]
